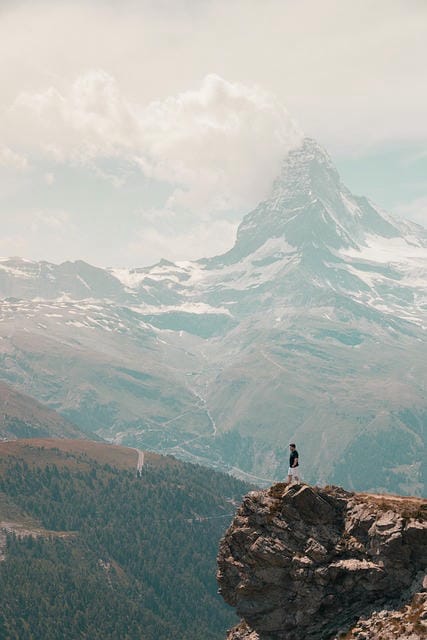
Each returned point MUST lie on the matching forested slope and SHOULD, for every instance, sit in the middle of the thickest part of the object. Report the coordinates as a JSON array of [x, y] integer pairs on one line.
[[112, 555]]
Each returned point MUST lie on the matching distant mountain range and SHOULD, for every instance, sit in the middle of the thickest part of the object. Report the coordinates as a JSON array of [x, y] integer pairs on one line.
[[311, 328]]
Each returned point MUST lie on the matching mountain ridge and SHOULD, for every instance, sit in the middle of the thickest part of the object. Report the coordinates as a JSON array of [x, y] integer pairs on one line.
[[311, 327], [23, 417]]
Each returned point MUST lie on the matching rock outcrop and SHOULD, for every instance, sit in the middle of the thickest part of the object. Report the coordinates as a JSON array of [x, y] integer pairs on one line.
[[304, 563]]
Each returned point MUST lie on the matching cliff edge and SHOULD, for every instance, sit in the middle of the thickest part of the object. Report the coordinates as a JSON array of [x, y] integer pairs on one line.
[[304, 563]]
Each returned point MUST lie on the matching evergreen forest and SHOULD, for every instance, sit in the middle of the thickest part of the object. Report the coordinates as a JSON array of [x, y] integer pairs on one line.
[[116, 556]]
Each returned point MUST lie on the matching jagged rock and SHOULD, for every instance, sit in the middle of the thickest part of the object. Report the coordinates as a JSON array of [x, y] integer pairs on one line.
[[242, 632], [304, 563], [407, 623]]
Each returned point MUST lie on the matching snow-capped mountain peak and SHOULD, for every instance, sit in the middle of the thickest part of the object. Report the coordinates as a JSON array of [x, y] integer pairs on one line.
[[314, 211], [317, 315]]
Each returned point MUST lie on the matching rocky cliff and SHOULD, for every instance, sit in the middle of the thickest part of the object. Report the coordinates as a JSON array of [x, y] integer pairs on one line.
[[300, 562]]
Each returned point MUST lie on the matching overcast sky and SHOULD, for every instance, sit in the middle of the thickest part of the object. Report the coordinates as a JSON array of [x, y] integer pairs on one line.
[[136, 130]]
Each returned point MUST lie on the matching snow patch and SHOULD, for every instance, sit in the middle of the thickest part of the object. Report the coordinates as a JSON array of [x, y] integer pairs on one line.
[[128, 277], [199, 308], [388, 250], [83, 282], [16, 272], [77, 323]]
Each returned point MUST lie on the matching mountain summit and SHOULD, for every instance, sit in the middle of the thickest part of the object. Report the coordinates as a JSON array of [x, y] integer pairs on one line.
[[312, 327], [313, 235], [313, 209]]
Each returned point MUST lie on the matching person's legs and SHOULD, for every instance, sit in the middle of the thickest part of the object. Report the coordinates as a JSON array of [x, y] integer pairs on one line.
[[293, 475]]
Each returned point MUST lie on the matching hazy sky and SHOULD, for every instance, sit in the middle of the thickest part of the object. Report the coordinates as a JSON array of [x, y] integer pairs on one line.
[[136, 130]]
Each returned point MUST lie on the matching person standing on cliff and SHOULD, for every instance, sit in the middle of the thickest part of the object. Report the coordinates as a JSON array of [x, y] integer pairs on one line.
[[293, 472]]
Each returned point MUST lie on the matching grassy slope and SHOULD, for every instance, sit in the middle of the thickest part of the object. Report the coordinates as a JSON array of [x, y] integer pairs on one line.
[[23, 416]]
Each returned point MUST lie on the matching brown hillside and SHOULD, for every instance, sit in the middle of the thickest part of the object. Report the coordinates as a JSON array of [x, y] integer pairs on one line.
[[22, 416], [74, 453]]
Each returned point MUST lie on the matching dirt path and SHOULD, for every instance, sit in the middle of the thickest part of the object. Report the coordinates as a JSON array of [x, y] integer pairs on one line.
[[140, 462], [21, 530], [392, 497]]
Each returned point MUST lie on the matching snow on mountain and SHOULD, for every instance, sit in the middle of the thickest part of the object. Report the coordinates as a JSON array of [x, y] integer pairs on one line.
[[312, 327], [312, 233]]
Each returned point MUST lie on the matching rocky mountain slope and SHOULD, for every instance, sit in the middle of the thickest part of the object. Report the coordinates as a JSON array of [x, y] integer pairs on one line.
[[311, 328], [300, 562]]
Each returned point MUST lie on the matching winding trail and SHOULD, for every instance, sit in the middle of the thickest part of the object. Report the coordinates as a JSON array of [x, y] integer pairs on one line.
[[140, 462], [251, 475], [204, 407]]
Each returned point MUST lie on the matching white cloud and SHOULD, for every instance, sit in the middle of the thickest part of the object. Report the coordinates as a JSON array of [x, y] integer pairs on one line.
[[13, 245], [351, 72], [221, 144], [200, 241], [12, 159], [39, 234], [51, 221], [90, 120]]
